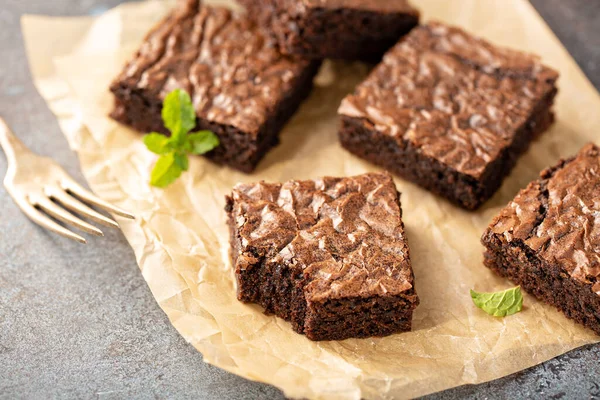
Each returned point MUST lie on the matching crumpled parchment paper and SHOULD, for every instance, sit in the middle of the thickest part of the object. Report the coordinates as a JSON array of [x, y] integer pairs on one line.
[[180, 237]]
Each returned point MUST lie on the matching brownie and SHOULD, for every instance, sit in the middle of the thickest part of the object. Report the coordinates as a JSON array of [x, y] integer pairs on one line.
[[329, 255], [243, 88], [343, 29], [449, 111], [548, 238]]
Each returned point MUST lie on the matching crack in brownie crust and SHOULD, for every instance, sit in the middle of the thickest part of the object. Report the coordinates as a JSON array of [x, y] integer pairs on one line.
[[449, 111], [548, 238], [242, 88], [342, 29], [329, 255]]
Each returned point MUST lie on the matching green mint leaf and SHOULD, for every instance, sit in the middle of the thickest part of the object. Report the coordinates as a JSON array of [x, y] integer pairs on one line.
[[179, 117], [165, 171], [181, 160], [499, 304], [178, 113], [157, 143], [202, 142]]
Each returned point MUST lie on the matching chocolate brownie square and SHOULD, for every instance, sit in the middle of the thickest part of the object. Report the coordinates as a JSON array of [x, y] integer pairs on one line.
[[343, 29], [329, 255], [243, 88], [548, 238], [449, 111]]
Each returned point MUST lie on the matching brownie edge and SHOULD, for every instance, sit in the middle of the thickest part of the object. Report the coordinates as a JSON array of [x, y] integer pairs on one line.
[[547, 238], [328, 255]]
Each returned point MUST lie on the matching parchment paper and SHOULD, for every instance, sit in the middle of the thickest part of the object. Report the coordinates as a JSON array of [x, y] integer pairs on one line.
[[181, 242]]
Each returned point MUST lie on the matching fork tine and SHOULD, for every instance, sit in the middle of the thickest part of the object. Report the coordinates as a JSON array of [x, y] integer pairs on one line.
[[65, 216], [75, 205], [45, 222], [77, 190]]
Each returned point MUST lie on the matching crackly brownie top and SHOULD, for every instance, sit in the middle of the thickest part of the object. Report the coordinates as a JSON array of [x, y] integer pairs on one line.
[[558, 216], [387, 6], [229, 66], [346, 234], [457, 98]]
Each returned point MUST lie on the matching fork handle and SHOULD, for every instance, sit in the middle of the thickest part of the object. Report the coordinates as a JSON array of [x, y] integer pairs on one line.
[[10, 143]]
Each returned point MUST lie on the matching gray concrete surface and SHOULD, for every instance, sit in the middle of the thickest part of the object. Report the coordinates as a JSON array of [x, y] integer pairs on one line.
[[79, 321]]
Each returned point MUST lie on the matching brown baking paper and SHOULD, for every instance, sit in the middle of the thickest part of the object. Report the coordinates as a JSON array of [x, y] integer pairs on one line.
[[181, 243]]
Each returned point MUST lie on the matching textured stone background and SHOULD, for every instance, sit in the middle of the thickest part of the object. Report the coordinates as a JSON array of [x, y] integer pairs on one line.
[[79, 321]]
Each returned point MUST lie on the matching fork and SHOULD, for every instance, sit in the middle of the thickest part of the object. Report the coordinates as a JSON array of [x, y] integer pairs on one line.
[[40, 187]]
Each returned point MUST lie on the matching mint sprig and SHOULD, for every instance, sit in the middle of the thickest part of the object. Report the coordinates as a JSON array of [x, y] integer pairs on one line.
[[499, 304], [179, 117]]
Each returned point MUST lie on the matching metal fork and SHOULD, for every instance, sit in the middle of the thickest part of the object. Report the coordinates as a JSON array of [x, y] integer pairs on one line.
[[39, 184]]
